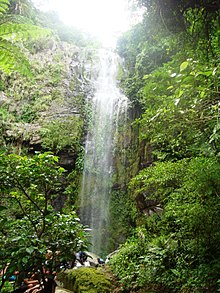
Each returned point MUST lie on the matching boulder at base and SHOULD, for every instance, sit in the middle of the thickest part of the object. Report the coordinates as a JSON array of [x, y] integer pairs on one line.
[[85, 279]]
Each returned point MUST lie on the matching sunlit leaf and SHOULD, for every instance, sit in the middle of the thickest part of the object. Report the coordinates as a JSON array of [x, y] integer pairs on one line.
[[206, 73], [184, 65], [30, 250], [202, 94]]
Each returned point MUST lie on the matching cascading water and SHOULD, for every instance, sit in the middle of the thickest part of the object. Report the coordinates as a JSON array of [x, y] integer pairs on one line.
[[108, 103]]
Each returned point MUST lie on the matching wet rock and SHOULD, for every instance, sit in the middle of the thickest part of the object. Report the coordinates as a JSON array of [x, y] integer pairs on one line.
[[85, 279], [110, 255]]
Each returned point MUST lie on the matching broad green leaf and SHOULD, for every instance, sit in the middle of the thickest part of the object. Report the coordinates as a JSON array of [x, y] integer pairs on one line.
[[17, 238], [206, 73], [202, 94], [184, 65], [30, 249], [181, 92], [25, 259]]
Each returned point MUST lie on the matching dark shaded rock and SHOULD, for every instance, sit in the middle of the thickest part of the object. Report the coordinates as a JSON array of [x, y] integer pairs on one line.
[[148, 206], [67, 159]]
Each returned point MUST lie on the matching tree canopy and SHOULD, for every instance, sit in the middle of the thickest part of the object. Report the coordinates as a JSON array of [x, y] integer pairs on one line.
[[31, 224]]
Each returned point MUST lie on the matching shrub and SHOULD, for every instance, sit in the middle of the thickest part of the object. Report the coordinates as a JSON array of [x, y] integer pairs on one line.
[[85, 279]]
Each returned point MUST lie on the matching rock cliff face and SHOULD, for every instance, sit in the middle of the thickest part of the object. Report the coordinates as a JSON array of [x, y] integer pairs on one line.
[[47, 110]]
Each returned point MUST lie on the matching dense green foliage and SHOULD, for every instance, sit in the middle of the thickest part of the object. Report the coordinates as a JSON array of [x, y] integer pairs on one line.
[[60, 134], [31, 222], [172, 78], [175, 250]]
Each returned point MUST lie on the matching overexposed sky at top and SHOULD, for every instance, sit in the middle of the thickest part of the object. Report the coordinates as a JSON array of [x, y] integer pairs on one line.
[[103, 18]]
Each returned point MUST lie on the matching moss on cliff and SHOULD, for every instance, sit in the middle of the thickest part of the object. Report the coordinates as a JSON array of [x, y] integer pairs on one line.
[[46, 110]]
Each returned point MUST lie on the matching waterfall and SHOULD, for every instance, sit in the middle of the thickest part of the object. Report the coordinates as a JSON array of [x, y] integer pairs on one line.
[[108, 103]]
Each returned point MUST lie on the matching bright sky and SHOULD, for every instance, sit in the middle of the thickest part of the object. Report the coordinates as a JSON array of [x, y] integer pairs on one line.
[[103, 18]]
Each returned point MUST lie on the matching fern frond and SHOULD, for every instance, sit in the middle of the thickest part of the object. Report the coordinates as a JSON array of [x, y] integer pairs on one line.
[[22, 32], [4, 2], [12, 18], [11, 56], [13, 59], [3, 6]]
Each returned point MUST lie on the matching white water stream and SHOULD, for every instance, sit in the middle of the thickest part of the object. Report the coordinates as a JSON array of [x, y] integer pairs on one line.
[[108, 104]]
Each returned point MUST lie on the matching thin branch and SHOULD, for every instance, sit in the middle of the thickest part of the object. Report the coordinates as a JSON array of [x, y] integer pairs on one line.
[[47, 193], [28, 196], [29, 218]]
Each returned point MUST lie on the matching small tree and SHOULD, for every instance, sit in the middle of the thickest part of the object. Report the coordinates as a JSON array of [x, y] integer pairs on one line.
[[30, 225]]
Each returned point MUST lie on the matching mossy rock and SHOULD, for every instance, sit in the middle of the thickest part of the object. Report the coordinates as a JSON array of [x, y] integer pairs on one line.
[[85, 279]]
